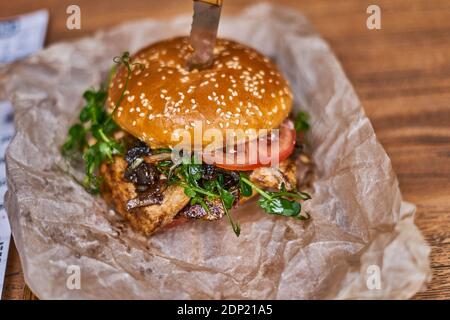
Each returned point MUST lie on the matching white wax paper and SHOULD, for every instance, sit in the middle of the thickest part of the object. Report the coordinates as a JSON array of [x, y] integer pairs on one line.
[[360, 243]]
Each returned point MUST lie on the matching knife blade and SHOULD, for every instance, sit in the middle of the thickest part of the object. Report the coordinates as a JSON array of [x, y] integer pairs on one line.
[[205, 23]]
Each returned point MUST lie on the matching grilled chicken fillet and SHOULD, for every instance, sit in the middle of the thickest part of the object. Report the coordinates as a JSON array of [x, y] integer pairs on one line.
[[175, 204], [147, 219]]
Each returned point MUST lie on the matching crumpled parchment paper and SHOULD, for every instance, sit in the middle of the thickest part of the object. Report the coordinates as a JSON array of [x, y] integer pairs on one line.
[[360, 243]]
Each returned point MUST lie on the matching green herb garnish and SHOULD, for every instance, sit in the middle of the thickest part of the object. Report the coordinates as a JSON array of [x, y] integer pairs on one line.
[[96, 123], [246, 189], [188, 174], [301, 122], [283, 203]]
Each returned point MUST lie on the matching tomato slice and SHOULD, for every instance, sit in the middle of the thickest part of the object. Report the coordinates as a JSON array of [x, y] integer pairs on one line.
[[286, 140]]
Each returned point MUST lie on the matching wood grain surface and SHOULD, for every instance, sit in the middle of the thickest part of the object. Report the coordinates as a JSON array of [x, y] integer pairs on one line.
[[401, 73]]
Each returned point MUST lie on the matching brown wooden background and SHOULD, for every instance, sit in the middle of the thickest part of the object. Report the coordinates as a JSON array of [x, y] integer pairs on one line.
[[401, 73]]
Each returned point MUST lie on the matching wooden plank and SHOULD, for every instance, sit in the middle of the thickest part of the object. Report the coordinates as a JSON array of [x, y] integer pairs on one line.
[[401, 73], [14, 282]]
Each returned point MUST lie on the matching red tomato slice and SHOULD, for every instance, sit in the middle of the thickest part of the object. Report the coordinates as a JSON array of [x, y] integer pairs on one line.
[[287, 136]]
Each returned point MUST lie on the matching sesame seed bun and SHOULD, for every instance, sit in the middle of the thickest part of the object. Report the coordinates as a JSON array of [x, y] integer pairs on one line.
[[242, 90]]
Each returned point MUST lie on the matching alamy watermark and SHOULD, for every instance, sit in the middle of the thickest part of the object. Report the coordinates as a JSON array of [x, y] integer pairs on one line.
[[373, 22], [73, 281], [74, 19], [230, 146], [373, 277]]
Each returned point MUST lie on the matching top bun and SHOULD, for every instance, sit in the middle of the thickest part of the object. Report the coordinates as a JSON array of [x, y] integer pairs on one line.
[[242, 90]]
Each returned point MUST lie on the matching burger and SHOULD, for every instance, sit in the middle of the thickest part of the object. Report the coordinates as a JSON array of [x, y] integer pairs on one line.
[[132, 137]]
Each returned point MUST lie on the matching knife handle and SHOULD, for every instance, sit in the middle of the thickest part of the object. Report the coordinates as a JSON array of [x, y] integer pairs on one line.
[[213, 2]]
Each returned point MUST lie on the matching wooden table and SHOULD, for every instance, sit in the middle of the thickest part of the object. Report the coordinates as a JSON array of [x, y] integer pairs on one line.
[[401, 73]]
